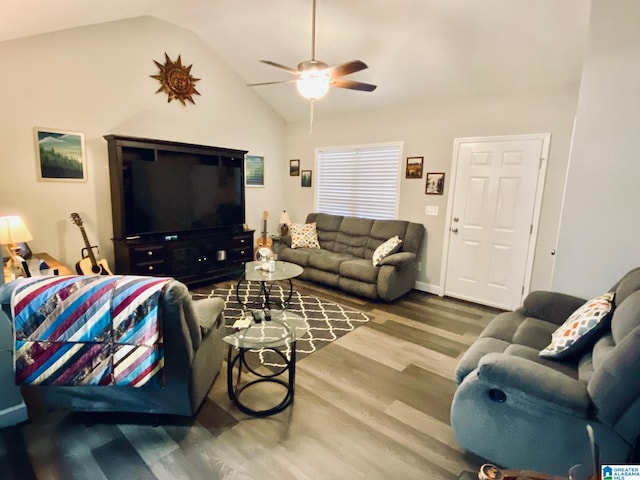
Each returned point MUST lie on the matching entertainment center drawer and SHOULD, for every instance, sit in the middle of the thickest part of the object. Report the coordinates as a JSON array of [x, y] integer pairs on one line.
[[148, 254], [151, 268], [243, 254], [242, 241]]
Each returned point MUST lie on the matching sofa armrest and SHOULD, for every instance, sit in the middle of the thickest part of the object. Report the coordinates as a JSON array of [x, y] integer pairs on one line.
[[533, 381], [285, 240], [398, 259], [553, 307], [396, 276], [209, 314]]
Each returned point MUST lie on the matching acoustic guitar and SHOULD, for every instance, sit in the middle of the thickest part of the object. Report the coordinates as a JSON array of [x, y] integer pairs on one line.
[[264, 243], [89, 265]]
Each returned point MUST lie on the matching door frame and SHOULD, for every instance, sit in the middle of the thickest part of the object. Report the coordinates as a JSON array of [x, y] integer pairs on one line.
[[542, 171]]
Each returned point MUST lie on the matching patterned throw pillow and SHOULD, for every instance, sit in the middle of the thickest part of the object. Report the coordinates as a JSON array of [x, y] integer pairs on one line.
[[304, 235], [385, 249], [580, 328]]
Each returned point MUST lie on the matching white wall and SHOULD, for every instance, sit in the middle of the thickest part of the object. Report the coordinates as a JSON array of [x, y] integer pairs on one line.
[[96, 80], [428, 129], [598, 240]]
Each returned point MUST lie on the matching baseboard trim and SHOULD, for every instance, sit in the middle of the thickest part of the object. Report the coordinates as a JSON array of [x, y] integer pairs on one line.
[[428, 287], [13, 415]]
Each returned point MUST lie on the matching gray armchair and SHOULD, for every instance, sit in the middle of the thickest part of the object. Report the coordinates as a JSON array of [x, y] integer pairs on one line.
[[520, 410]]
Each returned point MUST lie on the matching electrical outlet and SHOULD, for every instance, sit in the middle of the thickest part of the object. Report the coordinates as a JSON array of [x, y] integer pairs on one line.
[[419, 266]]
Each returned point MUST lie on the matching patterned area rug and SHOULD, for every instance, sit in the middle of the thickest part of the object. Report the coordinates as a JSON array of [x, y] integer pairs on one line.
[[325, 321]]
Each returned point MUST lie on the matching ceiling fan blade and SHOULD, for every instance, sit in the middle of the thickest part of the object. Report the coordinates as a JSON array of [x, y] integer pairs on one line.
[[347, 68], [269, 83], [352, 85], [293, 71]]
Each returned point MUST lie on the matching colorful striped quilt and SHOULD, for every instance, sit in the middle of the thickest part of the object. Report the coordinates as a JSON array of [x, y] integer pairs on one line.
[[88, 330]]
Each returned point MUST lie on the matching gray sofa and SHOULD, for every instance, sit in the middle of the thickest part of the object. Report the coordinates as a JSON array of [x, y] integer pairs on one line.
[[347, 246], [520, 410], [193, 353]]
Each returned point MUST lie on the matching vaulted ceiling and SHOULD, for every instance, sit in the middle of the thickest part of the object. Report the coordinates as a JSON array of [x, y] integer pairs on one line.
[[415, 49]]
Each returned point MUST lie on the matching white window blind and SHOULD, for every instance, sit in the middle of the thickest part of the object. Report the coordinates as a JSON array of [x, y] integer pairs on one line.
[[359, 181]]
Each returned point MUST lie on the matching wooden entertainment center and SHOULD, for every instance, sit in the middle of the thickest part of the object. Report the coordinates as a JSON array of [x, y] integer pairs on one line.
[[191, 255]]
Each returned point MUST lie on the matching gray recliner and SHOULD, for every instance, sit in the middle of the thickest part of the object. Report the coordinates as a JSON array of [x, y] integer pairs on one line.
[[193, 354], [519, 410]]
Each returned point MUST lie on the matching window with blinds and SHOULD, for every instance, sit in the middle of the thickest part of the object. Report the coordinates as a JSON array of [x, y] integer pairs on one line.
[[359, 181]]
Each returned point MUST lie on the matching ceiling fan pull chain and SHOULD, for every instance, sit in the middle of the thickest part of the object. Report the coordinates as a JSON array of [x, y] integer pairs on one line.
[[311, 102]]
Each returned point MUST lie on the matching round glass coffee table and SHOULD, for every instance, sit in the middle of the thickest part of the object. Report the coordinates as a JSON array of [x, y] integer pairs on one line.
[[253, 272], [277, 335]]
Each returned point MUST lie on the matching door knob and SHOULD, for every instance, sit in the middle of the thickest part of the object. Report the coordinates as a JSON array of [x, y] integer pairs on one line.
[[454, 230], [456, 219]]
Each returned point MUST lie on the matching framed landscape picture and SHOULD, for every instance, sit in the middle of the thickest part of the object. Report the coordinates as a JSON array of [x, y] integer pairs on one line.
[[294, 168], [305, 180], [60, 155], [414, 167], [253, 171]]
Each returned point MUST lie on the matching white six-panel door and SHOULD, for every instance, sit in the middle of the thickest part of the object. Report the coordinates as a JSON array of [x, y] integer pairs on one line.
[[493, 218]]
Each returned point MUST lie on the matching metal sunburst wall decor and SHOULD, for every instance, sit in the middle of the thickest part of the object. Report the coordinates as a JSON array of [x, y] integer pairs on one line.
[[176, 80]]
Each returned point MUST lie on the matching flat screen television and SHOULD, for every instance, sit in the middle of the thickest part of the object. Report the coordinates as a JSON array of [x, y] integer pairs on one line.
[[173, 193]]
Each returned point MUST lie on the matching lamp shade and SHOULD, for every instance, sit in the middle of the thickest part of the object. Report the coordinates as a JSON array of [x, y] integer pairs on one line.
[[13, 230], [285, 219]]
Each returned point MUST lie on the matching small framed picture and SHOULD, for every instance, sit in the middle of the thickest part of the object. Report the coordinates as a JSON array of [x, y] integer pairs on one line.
[[253, 171], [305, 181], [60, 155], [414, 167], [435, 183], [294, 168]]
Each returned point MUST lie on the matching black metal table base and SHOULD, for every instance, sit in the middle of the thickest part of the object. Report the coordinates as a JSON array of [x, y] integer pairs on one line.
[[265, 293], [235, 388]]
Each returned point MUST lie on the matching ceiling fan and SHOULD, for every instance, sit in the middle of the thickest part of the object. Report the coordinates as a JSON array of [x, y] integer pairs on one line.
[[315, 77]]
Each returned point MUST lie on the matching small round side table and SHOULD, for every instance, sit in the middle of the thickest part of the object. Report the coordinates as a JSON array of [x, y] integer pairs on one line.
[[277, 335]]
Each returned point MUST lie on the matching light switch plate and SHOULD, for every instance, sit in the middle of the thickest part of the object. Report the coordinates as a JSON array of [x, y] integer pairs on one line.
[[431, 210]]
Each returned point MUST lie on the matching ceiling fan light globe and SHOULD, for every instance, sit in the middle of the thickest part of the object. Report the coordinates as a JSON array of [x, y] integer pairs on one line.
[[313, 84]]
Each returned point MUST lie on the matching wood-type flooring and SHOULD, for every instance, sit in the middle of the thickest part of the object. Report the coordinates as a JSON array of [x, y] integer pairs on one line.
[[374, 404]]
